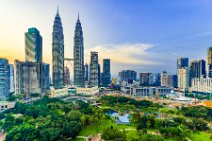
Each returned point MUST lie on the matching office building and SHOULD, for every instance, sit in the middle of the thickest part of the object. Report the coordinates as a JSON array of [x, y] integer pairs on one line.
[[94, 69], [67, 80], [86, 72], [183, 78], [182, 62], [33, 45], [12, 85], [31, 77], [4, 78], [78, 55], [198, 69], [128, 76], [99, 75], [58, 53], [202, 85], [209, 62], [166, 79], [145, 78], [106, 76]]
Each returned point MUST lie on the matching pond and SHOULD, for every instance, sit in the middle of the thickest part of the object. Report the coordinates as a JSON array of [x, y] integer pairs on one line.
[[120, 119]]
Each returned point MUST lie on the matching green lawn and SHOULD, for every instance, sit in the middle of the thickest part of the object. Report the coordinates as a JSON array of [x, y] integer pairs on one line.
[[201, 136], [99, 127]]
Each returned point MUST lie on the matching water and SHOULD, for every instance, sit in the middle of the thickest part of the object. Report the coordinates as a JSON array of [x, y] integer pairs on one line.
[[121, 119]]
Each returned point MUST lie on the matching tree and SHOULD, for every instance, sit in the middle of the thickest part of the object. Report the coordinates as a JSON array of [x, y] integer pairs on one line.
[[113, 134]]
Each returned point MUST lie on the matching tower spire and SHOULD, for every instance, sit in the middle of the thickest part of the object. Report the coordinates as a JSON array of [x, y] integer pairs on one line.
[[57, 10], [78, 14]]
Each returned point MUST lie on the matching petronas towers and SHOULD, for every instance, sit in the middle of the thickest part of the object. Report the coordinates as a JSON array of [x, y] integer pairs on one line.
[[78, 55], [58, 54]]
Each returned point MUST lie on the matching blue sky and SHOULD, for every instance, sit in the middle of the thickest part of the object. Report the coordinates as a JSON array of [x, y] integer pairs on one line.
[[143, 35]]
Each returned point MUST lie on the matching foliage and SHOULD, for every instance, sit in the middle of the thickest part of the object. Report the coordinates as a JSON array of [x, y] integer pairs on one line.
[[197, 112], [113, 134], [46, 119]]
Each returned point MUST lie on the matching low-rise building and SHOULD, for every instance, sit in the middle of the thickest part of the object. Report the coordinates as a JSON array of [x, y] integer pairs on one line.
[[52, 92], [139, 92], [4, 105], [87, 91]]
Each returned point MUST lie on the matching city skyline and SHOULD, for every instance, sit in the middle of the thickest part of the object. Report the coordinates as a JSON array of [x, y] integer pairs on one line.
[[142, 49]]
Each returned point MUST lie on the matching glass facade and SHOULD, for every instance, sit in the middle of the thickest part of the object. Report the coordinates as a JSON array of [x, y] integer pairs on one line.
[[4, 78]]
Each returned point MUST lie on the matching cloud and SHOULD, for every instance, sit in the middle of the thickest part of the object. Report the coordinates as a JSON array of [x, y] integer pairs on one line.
[[131, 54]]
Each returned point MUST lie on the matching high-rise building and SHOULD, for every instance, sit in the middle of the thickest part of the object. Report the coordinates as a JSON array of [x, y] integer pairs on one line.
[[94, 69], [31, 77], [67, 76], [209, 62], [45, 75], [4, 78], [182, 62], [99, 75], [33, 45], [183, 78], [166, 79], [58, 53], [106, 76], [202, 85], [12, 79], [128, 76], [78, 55], [174, 80], [144, 78], [198, 69], [86, 72]]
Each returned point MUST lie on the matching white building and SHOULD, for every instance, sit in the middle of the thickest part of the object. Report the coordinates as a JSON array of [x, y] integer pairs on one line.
[[87, 91], [52, 92], [166, 79], [183, 78], [139, 92], [4, 105], [202, 85]]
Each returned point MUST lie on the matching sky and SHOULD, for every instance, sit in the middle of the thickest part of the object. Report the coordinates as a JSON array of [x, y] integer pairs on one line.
[[141, 35]]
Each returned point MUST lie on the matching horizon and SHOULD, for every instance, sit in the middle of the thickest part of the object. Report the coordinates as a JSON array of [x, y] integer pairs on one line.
[[141, 36]]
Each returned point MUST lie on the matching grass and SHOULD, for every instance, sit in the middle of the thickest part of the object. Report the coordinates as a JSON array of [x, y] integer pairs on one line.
[[99, 127], [201, 136]]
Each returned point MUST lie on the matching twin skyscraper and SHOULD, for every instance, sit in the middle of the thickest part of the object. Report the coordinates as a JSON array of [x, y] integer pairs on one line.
[[58, 54]]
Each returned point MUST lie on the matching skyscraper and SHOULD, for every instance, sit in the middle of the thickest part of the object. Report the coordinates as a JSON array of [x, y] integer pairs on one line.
[[78, 55], [209, 62], [67, 76], [4, 78], [31, 77], [94, 69], [198, 69], [183, 78], [86, 72], [106, 78], [182, 62], [166, 79], [58, 53], [144, 78], [127, 75], [12, 78], [33, 45], [99, 75]]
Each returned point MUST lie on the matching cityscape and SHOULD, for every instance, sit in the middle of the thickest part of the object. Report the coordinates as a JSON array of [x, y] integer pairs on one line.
[[126, 91]]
